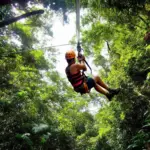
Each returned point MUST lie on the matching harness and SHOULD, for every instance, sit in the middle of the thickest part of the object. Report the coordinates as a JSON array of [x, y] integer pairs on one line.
[[78, 81]]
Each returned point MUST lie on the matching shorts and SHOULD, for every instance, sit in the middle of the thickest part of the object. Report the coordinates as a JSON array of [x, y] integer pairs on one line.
[[90, 82]]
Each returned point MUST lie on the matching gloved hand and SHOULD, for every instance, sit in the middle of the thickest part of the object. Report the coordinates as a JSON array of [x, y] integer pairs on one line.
[[81, 57]]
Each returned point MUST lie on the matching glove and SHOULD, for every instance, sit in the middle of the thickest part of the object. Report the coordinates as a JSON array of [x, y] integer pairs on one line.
[[81, 57]]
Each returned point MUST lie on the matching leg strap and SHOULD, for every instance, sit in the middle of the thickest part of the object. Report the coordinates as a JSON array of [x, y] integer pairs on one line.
[[83, 89]]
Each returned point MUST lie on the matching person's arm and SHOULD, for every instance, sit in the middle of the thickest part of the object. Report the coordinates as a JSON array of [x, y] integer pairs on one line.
[[81, 66]]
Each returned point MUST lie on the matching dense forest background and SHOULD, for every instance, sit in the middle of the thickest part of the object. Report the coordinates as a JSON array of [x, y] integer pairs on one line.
[[39, 114]]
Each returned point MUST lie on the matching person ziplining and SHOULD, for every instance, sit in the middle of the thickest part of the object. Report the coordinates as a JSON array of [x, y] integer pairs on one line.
[[75, 71], [82, 83]]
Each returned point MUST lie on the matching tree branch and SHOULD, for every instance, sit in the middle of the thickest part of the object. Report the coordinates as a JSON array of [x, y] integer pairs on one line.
[[5, 2], [144, 21], [108, 46], [12, 20]]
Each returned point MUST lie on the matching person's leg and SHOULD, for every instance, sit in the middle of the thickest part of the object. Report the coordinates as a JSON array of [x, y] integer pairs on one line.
[[101, 87], [103, 91], [99, 81], [91, 82]]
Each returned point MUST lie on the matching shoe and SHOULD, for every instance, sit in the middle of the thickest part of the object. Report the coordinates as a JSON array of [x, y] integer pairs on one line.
[[114, 91], [110, 96]]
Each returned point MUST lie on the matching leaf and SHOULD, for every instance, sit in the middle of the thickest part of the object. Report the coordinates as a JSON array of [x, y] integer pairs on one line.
[[40, 128]]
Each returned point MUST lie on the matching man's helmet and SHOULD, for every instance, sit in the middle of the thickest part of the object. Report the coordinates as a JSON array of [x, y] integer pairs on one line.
[[70, 54]]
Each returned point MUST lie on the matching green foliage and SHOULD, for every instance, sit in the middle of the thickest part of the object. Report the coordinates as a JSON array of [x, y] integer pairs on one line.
[[39, 109], [5, 12], [126, 65]]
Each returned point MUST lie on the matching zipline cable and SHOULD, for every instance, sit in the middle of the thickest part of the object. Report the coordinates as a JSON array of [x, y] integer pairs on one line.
[[21, 51], [60, 45]]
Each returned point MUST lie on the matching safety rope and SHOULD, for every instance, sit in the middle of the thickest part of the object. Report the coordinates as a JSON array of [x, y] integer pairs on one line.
[[79, 49], [78, 20]]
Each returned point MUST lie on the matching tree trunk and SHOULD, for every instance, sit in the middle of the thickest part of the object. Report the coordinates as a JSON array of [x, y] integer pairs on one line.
[[21, 2], [12, 20], [5, 2]]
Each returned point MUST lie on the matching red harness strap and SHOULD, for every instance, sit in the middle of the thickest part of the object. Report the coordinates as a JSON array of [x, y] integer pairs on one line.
[[76, 79]]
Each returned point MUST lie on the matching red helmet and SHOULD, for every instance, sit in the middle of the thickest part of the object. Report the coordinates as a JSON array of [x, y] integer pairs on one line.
[[70, 54]]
